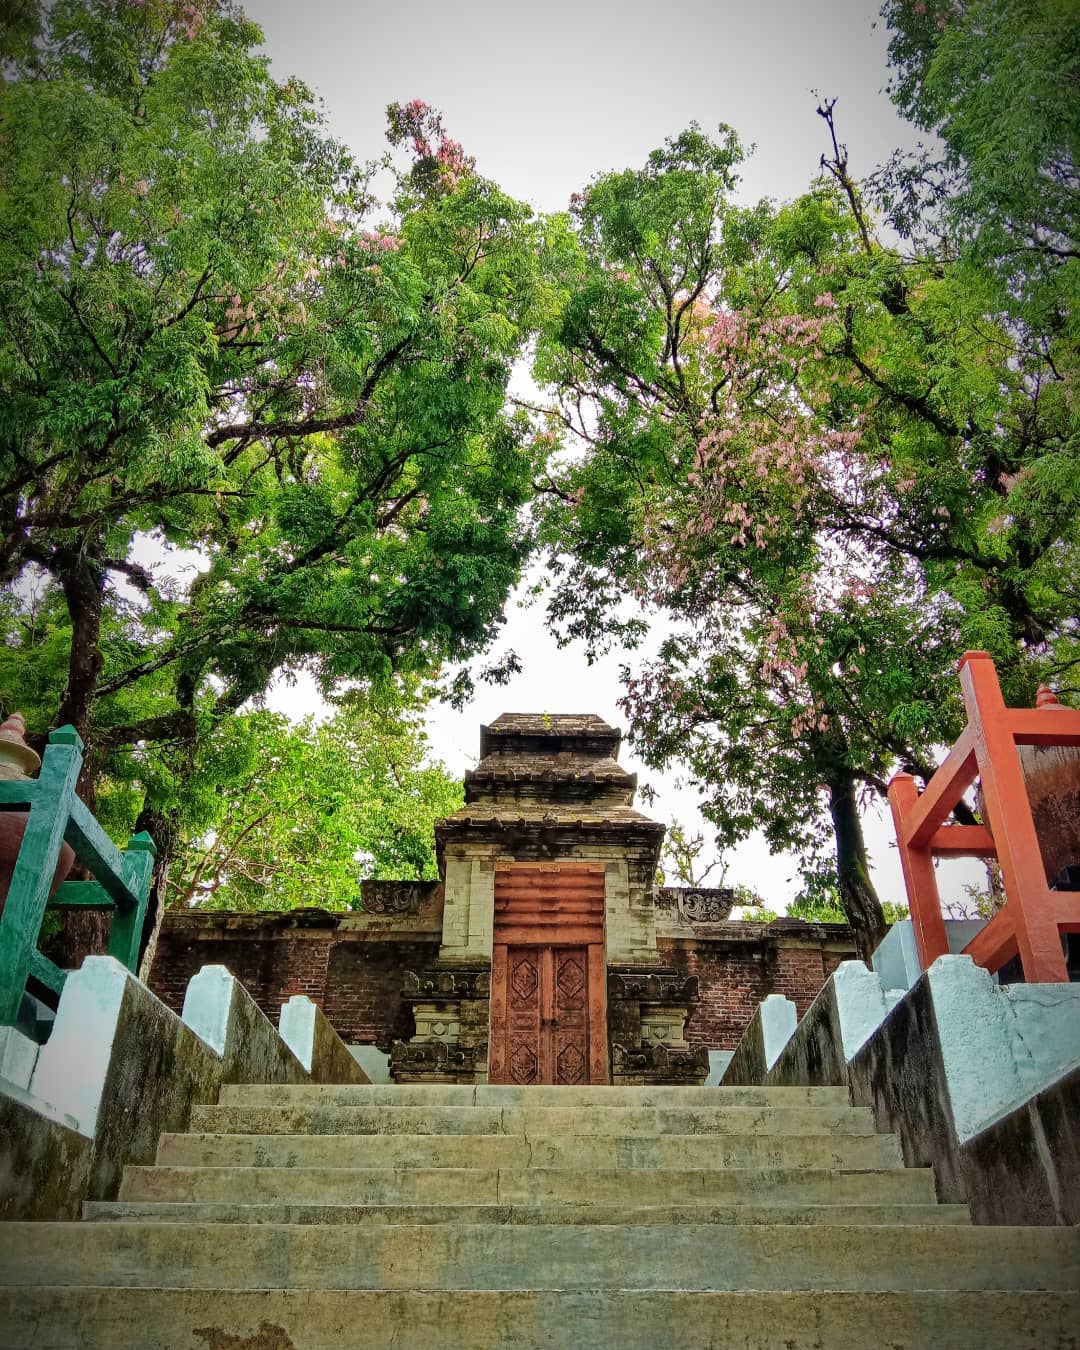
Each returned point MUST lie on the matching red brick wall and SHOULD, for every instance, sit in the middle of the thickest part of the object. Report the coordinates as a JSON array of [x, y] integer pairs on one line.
[[270, 970], [736, 971], [363, 990], [353, 966], [354, 973]]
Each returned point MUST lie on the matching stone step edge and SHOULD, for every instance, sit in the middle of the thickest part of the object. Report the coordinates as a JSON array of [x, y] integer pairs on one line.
[[600, 1214], [490, 1094], [730, 1139], [769, 1175], [112, 1319], [312, 1099], [203, 1122]]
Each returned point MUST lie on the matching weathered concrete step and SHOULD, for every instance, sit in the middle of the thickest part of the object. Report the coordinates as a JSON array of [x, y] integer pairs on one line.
[[281, 1119], [179, 1319], [524, 1186], [519, 1150], [502, 1095], [127, 1211], [507, 1256]]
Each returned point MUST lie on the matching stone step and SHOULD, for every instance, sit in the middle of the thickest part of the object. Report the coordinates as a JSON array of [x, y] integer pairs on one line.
[[648, 1120], [50, 1318], [488, 1151], [501, 1095], [563, 1257], [116, 1211], [525, 1186]]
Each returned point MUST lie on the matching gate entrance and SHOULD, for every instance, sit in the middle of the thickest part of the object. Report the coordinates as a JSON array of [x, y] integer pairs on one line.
[[548, 984]]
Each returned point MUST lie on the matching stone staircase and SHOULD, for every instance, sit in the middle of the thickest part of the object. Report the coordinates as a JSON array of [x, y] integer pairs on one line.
[[464, 1218]]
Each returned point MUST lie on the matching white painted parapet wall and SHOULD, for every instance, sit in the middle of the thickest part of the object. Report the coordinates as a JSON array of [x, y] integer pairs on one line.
[[315, 1043], [1000, 1045], [120, 1068], [222, 1013], [896, 957]]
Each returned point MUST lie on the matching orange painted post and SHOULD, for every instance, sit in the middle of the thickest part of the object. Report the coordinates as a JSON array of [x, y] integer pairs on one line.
[[1029, 901], [924, 900], [1034, 917]]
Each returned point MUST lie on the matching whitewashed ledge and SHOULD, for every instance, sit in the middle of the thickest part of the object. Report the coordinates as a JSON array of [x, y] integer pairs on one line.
[[120, 1068], [979, 1080]]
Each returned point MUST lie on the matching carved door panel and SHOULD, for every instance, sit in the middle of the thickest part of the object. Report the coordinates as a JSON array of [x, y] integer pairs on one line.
[[541, 1016], [569, 1021], [524, 1015]]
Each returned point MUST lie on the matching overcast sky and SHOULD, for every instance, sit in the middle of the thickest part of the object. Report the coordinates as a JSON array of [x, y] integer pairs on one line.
[[547, 96]]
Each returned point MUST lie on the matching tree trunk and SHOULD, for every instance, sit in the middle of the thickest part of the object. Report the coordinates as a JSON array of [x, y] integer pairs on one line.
[[83, 583], [162, 831], [857, 893]]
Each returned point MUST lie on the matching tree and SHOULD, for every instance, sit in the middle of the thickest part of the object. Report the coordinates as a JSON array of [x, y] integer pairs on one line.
[[994, 81], [829, 465], [213, 350], [311, 809], [683, 855], [20, 23]]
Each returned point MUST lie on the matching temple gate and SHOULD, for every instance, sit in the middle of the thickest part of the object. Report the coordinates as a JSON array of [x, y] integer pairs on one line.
[[548, 970]]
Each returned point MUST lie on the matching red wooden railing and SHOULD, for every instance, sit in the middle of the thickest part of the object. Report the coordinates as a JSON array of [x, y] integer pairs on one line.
[[1034, 917]]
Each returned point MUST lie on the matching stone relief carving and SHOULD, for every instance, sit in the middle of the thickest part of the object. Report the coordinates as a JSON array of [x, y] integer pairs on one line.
[[653, 988], [658, 1061], [438, 985], [395, 898], [433, 1056], [697, 904]]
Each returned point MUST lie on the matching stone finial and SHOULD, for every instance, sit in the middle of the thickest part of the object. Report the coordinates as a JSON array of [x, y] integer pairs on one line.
[[17, 760], [1046, 698]]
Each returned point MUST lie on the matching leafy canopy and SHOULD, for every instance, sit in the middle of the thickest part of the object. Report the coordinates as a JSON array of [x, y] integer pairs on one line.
[[309, 810], [216, 353]]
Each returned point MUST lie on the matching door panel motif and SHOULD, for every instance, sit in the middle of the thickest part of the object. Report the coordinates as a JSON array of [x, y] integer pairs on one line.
[[542, 1036], [523, 1021], [548, 975], [570, 1014]]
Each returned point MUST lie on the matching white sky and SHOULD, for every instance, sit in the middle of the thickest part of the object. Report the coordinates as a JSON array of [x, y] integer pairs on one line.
[[547, 96]]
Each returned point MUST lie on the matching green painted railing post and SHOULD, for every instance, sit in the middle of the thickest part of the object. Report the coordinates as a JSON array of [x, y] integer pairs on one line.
[[125, 935], [28, 894]]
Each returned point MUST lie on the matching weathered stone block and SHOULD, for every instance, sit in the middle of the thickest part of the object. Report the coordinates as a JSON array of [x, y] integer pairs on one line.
[[44, 1160], [315, 1043], [221, 1012], [123, 1067]]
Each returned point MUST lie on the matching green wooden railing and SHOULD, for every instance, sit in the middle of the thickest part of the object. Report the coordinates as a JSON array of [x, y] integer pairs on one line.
[[121, 880]]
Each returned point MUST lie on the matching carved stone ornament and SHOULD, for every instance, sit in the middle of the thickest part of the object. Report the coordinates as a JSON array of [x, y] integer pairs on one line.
[[652, 988], [703, 905], [660, 1063], [394, 898], [444, 985], [433, 1055]]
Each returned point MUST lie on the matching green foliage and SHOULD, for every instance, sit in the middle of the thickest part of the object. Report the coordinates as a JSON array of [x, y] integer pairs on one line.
[[995, 82], [20, 23], [819, 902], [304, 812], [758, 914], [831, 468], [212, 349]]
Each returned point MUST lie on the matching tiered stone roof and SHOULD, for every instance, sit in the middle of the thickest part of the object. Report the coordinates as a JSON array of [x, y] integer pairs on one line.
[[541, 771]]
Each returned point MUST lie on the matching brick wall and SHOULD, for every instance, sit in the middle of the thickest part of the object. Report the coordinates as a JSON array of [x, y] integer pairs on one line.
[[739, 964], [353, 965], [363, 989]]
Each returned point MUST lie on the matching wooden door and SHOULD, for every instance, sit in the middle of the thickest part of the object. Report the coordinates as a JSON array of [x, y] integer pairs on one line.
[[540, 1027], [548, 975]]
